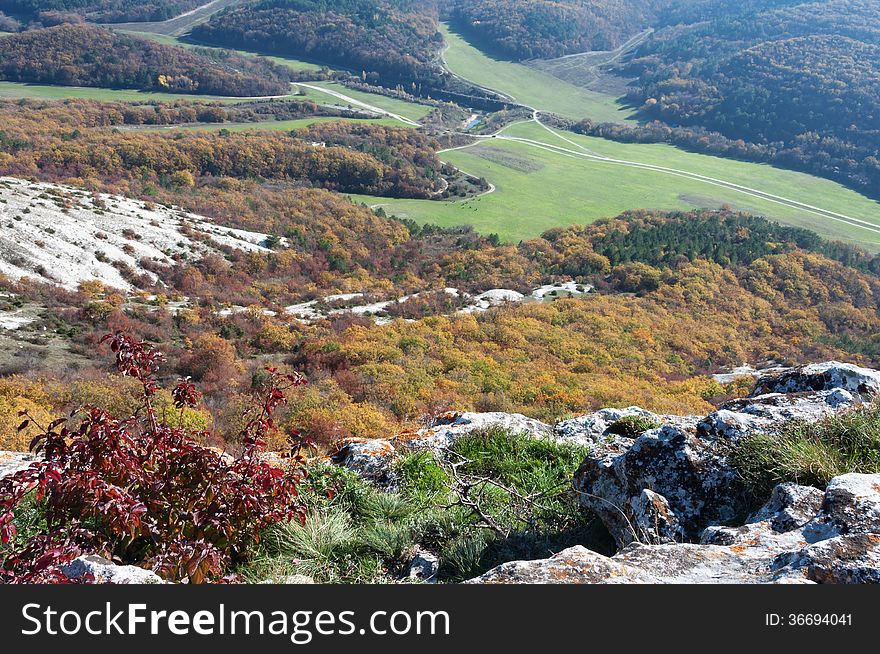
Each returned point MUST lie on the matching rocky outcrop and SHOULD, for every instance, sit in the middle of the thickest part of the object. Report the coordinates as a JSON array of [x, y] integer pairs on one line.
[[863, 383], [370, 458], [101, 571], [374, 459], [451, 426], [684, 464], [760, 413], [689, 479], [801, 535]]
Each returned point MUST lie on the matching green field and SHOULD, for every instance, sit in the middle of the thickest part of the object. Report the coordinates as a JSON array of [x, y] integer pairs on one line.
[[44, 92], [399, 107], [529, 86], [267, 125], [538, 189]]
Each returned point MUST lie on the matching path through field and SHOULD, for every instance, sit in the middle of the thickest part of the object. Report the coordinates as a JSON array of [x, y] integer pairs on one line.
[[179, 24], [579, 151]]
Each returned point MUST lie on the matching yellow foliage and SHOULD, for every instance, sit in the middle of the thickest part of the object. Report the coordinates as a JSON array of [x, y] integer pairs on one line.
[[18, 395]]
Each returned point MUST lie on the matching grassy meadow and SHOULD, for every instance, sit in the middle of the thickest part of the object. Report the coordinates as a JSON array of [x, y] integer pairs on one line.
[[537, 189]]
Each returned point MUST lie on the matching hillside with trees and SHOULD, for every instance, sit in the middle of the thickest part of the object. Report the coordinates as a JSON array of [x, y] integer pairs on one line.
[[56, 143], [85, 55], [99, 11], [524, 29], [390, 41], [803, 77]]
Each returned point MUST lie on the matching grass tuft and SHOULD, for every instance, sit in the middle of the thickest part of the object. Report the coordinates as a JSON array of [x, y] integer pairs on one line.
[[811, 453]]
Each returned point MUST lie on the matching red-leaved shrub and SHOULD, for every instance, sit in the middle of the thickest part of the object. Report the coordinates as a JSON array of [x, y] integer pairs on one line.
[[140, 491]]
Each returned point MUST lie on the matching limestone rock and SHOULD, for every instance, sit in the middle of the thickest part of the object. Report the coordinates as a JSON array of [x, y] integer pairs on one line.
[[851, 505], [863, 383], [758, 414], [791, 506], [575, 565], [852, 559], [107, 572], [654, 520], [453, 425], [424, 566], [779, 544], [370, 458], [693, 475], [593, 428]]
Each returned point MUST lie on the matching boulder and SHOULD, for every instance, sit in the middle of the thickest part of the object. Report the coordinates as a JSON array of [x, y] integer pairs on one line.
[[593, 428], [371, 458], [697, 485], [791, 506], [575, 565], [103, 571], [779, 544], [758, 414], [451, 426], [424, 566], [686, 461], [863, 383]]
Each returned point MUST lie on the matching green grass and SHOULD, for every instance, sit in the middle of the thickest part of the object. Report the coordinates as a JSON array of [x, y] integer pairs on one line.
[[632, 426], [539, 189], [529, 86], [811, 453], [268, 125], [361, 533], [401, 107], [45, 92]]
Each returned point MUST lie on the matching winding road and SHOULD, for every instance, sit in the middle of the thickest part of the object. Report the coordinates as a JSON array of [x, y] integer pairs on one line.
[[580, 152]]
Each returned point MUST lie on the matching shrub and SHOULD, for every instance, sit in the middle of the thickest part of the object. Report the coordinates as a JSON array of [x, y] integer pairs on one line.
[[811, 453], [358, 532], [632, 426], [17, 395], [140, 491]]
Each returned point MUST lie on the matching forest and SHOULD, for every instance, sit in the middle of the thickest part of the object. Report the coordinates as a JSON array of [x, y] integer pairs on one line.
[[524, 29], [99, 11], [57, 144], [390, 42], [678, 295], [85, 55], [794, 76]]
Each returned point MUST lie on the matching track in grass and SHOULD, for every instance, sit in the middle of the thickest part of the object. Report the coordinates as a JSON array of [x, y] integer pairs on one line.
[[541, 184], [528, 85]]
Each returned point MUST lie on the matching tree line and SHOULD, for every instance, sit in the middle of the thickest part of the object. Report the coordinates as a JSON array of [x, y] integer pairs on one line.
[[801, 80], [85, 55], [100, 11], [40, 139], [387, 41], [545, 29]]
